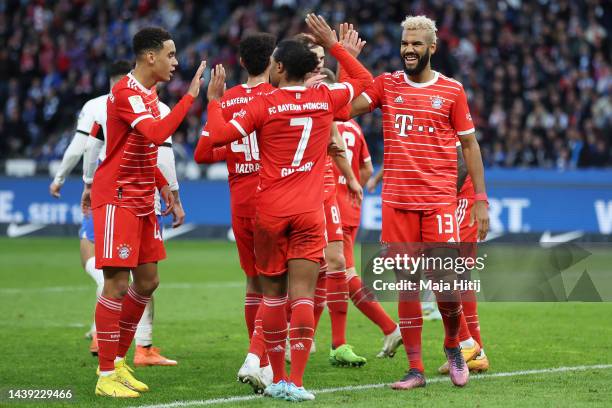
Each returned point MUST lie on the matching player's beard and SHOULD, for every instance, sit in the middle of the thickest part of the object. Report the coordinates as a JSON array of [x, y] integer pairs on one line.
[[421, 64]]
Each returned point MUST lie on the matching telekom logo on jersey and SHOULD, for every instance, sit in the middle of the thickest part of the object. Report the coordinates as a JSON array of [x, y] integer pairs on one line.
[[404, 123]]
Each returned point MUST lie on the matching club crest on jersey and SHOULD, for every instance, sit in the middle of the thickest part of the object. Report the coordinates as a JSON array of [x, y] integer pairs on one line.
[[436, 102], [124, 251], [240, 114], [399, 99]]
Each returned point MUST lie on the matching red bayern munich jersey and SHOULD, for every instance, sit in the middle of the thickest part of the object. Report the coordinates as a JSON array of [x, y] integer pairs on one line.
[[126, 178], [329, 180], [421, 122], [357, 154], [241, 156], [293, 130], [467, 190]]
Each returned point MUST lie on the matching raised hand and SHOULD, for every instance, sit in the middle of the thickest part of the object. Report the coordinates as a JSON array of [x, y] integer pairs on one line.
[[197, 81], [216, 86], [321, 31], [349, 38]]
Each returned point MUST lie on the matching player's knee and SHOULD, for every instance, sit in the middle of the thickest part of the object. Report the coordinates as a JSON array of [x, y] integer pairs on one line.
[[336, 262], [115, 289]]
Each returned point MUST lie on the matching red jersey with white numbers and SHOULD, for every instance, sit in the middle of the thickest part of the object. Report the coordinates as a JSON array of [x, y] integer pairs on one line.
[[357, 154], [126, 177], [242, 156], [421, 122], [293, 130]]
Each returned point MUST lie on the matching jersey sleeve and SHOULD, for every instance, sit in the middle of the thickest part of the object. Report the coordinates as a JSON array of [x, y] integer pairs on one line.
[[244, 122], [340, 94], [86, 121], [166, 163], [374, 93], [461, 119], [205, 152], [131, 108]]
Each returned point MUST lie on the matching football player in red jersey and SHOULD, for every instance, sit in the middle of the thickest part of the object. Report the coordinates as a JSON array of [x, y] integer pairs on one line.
[[293, 126], [242, 157], [127, 236], [332, 286], [423, 112]]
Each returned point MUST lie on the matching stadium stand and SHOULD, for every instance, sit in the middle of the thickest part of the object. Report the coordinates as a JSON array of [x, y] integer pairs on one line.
[[538, 74]]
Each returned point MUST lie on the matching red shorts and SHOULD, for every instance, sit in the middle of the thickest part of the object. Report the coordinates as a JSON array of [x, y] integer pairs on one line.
[[123, 239], [407, 226], [349, 235], [279, 239], [466, 233], [464, 209], [333, 223], [243, 228]]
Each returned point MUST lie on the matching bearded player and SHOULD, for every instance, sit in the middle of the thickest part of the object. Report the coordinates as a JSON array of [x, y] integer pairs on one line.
[[127, 234], [293, 125], [242, 157], [423, 113]]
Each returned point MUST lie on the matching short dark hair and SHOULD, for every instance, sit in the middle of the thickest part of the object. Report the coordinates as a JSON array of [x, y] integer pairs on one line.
[[149, 39], [306, 39], [296, 57], [121, 67], [255, 51]]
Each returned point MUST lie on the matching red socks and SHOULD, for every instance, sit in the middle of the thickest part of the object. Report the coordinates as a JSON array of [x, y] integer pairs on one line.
[[132, 307], [365, 301], [337, 303], [258, 344], [451, 318], [320, 297], [108, 311], [470, 313], [411, 325], [251, 305], [301, 331], [274, 325]]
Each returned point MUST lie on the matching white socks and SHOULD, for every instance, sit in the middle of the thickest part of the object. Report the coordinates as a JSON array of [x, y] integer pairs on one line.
[[144, 331]]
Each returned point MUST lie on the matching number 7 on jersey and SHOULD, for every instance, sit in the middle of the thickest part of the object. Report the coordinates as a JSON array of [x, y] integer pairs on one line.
[[307, 124]]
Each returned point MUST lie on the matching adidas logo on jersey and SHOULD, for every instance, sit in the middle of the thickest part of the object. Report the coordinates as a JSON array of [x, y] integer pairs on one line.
[[399, 99], [298, 346], [277, 349], [339, 231]]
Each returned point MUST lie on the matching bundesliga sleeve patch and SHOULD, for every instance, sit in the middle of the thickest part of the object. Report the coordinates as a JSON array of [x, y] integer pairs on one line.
[[137, 103]]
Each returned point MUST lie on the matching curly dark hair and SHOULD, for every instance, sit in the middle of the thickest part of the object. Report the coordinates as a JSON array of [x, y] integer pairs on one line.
[[119, 68], [255, 51], [149, 39], [296, 57]]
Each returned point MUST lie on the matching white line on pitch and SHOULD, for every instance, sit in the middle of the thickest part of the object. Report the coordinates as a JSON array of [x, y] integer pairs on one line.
[[381, 385], [62, 289]]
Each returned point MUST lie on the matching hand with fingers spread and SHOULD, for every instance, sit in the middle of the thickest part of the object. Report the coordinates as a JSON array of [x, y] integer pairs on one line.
[[216, 86], [197, 81], [349, 38], [321, 31]]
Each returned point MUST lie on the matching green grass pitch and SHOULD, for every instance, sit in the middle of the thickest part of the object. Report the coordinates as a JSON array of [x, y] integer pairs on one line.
[[47, 300]]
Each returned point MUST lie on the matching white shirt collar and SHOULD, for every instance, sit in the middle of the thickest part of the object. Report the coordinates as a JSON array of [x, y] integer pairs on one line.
[[422, 84], [141, 86], [294, 88]]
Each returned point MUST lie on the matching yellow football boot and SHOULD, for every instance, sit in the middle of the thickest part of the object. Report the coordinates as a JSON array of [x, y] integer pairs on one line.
[[112, 386], [469, 353]]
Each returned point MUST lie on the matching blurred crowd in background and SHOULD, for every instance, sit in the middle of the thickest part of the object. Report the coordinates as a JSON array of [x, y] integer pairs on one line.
[[537, 73]]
